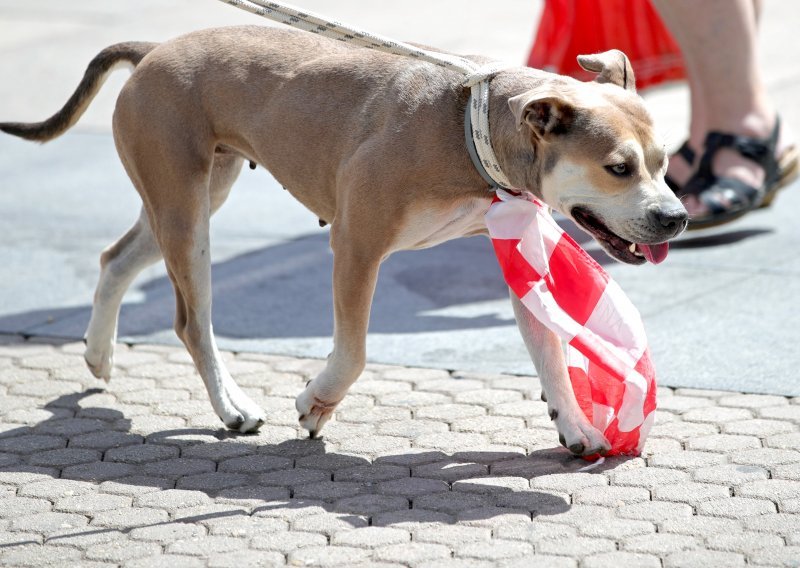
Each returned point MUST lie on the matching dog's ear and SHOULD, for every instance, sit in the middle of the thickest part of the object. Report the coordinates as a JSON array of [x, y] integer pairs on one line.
[[545, 111], [612, 67]]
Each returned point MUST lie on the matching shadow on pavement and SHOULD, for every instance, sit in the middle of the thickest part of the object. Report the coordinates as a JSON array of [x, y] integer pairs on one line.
[[94, 445]]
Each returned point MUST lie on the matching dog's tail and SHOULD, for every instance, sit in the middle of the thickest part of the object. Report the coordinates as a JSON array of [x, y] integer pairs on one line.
[[94, 77]]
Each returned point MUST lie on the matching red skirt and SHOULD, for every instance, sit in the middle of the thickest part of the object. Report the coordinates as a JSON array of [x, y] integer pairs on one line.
[[569, 28]]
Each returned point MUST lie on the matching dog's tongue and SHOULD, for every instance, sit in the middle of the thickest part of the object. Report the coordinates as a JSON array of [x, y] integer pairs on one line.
[[654, 253]]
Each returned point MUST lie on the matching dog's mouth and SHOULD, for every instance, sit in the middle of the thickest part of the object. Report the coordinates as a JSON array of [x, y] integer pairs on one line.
[[617, 247]]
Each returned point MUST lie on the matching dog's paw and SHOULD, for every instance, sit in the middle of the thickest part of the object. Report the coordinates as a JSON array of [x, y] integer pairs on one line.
[[577, 435], [100, 361], [241, 413], [313, 411]]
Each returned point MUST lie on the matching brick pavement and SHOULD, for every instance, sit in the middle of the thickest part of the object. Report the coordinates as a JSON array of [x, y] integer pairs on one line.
[[420, 468]]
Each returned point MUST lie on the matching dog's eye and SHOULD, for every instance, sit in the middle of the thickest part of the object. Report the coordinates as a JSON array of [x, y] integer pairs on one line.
[[619, 169]]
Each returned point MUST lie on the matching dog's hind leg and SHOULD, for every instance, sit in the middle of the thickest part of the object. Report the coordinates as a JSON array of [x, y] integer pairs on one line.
[[119, 265], [124, 260]]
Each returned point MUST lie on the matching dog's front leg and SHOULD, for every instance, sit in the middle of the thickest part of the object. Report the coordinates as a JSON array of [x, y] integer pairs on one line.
[[355, 272], [574, 430]]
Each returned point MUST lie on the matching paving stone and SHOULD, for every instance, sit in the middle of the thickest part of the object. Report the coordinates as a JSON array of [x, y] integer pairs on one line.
[[105, 440], [140, 454], [654, 511], [776, 556], [649, 477], [177, 467], [451, 442], [31, 444], [494, 551], [327, 556], [371, 537], [35, 555], [576, 546], [411, 428], [117, 551], [90, 503], [494, 485], [568, 482], [411, 553], [743, 543], [206, 545], [453, 535], [374, 445], [687, 460], [752, 400], [775, 489], [610, 496], [172, 499], [680, 430], [724, 443], [659, 544], [705, 558], [451, 502], [412, 487], [758, 427], [245, 559], [12, 507], [414, 399], [328, 490], [128, 518], [789, 441], [783, 524], [736, 507], [450, 470], [165, 561], [449, 412], [98, 471], [730, 474], [47, 523], [255, 464], [167, 533], [616, 529], [700, 526], [790, 471], [787, 412], [328, 524], [135, 485], [691, 493], [766, 457], [411, 518], [370, 504], [492, 516], [627, 559], [286, 542]]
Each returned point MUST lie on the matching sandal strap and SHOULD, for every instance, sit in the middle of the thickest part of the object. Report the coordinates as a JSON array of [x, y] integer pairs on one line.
[[687, 153], [730, 195], [760, 151]]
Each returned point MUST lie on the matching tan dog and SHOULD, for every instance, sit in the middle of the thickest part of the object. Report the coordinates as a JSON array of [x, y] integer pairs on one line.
[[374, 145]]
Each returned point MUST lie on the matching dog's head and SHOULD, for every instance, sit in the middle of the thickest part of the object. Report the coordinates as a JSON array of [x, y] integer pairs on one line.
[[599, 160]]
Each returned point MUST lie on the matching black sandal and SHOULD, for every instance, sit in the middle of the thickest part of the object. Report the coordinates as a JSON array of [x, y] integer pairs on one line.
[[688, 154], [728, 199]]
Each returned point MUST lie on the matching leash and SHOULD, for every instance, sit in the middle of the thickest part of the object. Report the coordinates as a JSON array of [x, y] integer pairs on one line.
[[477, 76]]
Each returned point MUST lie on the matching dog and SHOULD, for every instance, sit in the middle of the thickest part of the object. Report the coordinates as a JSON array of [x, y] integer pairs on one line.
[[374, 145]]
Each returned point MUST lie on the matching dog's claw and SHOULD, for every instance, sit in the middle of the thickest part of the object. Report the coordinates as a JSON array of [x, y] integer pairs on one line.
[[543, 397], [236, 423], [562, 440], [577, 449], [312, 434], [553, 414]]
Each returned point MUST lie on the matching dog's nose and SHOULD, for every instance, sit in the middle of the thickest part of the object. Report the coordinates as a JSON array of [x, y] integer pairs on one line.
[[673, 220]]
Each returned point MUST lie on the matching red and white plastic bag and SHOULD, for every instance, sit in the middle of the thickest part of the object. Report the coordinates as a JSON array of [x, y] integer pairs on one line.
[[564, 288]]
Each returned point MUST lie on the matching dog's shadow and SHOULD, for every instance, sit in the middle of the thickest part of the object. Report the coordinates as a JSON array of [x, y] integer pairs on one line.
[[94, 445]]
